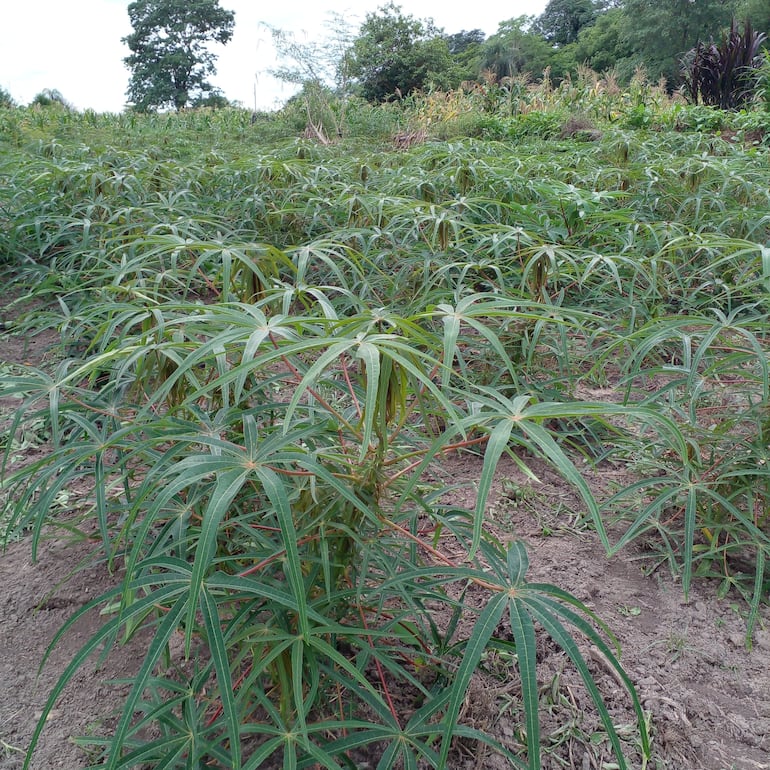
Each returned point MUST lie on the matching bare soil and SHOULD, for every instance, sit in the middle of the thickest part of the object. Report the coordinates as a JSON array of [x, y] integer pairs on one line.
[[708, 696]]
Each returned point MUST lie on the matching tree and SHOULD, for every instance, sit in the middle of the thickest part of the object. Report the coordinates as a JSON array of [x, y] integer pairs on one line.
[[461, 41], [322, 70], [561, 21], [515, 49], [214, 100], [6, 100], [398, 54], [604, 46], [758, 13], [661, 31], [170, 60], [51, 97], [465, 50]]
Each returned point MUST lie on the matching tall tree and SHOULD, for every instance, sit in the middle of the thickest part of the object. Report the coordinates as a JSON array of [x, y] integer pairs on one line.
[[661, 31], [396, 54], [51, 97], [515, 48], [461, 41], [465, 49], [6, 100], [170, 59], [758, 13], [604, 45], [561, 21]]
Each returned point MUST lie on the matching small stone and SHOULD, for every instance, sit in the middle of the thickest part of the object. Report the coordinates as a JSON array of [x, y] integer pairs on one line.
[[52, 715]]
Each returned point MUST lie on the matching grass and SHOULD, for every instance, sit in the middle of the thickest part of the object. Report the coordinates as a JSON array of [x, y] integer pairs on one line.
[[265, 350]]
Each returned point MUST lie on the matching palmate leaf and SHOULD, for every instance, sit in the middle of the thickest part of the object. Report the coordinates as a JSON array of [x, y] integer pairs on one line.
[[549, 606], [219, 655], [523, 416], [107, 633], [519, 421]]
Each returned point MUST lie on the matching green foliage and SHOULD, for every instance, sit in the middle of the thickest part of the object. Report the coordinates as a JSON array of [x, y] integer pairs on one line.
[[697, 117], [170, 59], [278, 460], [753, 127], [604, 45], [268, 353], [758, 13], [724, 75], [395, 54], [638, 116], [465, 50], [214, 99], [562, 20], [661, 31], [719, 492], [516, 48], [6, 100], [50, 97], [535, 125], [323, 72], [763, 82]]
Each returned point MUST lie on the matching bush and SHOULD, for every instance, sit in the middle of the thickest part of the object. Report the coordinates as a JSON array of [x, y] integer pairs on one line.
[[535, 125], [724, 75], [698, 117], [6, 100]]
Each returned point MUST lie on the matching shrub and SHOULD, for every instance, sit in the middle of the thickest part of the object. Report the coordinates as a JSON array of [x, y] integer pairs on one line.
[[535, 125], [724, 75], [6, 100]]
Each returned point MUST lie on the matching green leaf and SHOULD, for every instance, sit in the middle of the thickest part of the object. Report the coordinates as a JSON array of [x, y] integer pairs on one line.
[[526, 655], [483, 630], [218, 650]]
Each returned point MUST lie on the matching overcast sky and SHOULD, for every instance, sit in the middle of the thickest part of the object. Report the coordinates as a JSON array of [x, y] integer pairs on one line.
[[74, 45]]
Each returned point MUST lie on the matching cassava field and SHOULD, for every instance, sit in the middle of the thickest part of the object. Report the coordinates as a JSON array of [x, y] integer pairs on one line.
[[441, 445]]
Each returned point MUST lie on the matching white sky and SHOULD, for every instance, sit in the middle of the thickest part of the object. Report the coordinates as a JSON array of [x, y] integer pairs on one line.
[[74, 45]]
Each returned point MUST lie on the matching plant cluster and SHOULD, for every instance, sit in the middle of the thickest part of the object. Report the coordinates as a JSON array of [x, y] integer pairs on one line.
[[725, 75], [266, 353]]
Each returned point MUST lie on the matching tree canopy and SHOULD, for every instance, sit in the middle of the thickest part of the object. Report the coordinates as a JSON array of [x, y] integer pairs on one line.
[[170, 59], [396, 53], [661, 31], [562, 20], [516, 48]]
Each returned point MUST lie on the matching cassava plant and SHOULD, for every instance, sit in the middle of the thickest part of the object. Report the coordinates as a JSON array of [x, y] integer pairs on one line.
[[267, 352], [270, 490]]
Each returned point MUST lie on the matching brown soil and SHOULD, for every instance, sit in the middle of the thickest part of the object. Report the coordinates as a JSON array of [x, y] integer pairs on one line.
[[750, 138], [708, 696]]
